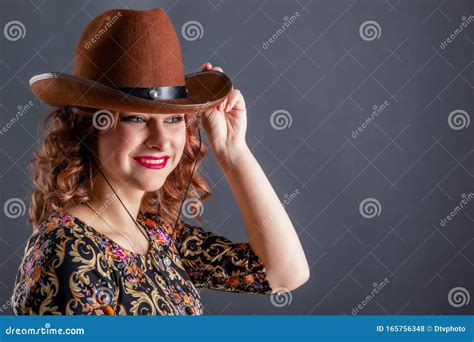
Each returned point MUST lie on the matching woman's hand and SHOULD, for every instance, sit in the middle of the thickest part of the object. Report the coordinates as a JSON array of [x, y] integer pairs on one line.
[[226, 124]]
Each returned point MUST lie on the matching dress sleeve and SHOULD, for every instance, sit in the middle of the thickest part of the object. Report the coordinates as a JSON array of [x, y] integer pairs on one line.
[[215, 262], [62, 274]]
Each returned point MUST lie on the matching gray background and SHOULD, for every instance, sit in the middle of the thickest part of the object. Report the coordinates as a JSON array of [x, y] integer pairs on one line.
[[328, 79]]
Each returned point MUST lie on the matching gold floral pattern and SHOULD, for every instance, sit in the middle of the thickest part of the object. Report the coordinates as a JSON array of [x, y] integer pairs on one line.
[[69, 268]]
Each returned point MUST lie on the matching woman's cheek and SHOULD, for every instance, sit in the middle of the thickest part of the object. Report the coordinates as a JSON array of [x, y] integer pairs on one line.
[[115, 146]]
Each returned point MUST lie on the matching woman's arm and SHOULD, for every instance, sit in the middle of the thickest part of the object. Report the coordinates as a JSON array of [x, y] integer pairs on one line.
[[270, 231]]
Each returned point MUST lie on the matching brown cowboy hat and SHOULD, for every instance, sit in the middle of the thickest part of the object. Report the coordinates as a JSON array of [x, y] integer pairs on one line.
[[130, 60]]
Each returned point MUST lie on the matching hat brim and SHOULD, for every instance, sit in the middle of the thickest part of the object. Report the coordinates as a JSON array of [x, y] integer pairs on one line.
[[206, 89]]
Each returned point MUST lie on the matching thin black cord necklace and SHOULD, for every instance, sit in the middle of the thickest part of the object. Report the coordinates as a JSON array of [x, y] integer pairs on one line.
[[123, 205], [189, 310]]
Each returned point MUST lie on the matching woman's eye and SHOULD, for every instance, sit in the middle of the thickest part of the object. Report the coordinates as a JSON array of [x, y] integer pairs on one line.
[[138, 119], [133, 118], [177, 119]]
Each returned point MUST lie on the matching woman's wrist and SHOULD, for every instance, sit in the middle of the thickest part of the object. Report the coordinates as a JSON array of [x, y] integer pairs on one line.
[[228, 155]]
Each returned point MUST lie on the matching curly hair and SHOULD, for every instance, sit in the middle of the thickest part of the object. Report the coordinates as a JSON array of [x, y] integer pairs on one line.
[[64, 167]]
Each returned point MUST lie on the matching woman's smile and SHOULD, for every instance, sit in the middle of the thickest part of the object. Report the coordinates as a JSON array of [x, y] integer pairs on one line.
[[151, 162]]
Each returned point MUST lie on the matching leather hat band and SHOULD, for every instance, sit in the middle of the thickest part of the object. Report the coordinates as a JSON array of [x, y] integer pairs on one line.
[[157, 93]]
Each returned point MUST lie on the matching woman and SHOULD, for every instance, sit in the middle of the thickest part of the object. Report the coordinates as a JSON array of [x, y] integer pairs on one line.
[[115, 165]]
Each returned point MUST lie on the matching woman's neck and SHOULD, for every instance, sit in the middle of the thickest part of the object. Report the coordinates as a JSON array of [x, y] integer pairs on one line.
[[106, 203]]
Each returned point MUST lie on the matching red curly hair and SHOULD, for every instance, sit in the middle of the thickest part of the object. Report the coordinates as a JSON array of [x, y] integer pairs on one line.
[[64, 167]]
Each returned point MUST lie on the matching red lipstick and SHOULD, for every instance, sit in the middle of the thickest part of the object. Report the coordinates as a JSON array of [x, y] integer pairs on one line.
[[152, 162]]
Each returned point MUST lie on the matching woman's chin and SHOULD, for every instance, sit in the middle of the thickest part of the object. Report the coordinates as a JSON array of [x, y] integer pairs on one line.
[[145, 181], [149, 186]]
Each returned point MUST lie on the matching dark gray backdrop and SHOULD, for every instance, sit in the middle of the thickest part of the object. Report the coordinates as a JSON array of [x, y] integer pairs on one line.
[[366, 187]]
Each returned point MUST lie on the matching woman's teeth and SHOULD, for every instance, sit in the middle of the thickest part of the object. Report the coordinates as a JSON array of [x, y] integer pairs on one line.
[[153, 161]]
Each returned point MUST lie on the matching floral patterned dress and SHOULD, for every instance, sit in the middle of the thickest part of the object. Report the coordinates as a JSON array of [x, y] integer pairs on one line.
[[69, 268]]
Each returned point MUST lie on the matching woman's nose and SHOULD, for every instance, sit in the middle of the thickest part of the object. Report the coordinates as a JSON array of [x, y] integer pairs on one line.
[[158, 138]]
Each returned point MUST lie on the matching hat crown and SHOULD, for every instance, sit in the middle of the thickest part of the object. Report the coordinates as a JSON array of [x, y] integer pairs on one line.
[[130, 48]]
